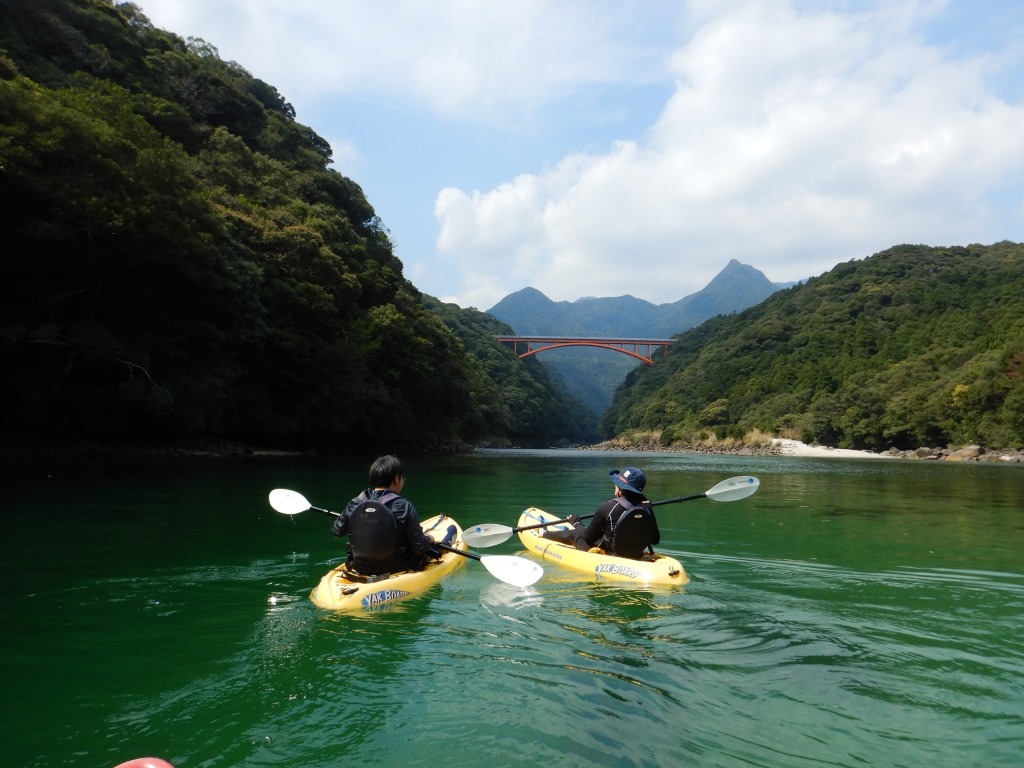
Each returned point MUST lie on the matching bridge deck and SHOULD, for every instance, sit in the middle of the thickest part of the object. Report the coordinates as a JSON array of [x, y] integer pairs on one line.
[[631, 347]]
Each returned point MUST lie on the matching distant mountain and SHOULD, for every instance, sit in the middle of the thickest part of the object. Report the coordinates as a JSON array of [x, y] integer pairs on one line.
[[594, 374], [735, 288]]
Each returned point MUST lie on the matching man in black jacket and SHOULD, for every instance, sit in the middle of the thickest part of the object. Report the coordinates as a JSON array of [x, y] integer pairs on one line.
[[383, 528]]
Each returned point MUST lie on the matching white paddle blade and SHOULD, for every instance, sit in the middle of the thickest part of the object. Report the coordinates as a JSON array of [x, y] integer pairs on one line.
[[734, 488], [288, 502], [517, 571], [487, 535]]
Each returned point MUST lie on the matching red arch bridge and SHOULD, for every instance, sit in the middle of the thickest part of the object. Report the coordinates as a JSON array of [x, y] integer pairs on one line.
[[641, 349]]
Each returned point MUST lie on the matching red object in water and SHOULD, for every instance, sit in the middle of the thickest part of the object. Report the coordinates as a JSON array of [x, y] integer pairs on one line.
[[145, 762]]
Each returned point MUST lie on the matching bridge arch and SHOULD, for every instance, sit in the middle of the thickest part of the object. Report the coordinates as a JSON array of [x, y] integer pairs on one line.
[[631, 347]]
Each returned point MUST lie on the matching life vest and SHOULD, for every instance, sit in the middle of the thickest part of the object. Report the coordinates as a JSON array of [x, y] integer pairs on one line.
[[372, 530], [631, 530]]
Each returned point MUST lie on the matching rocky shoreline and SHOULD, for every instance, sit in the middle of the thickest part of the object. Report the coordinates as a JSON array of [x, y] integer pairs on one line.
[[784, 447]]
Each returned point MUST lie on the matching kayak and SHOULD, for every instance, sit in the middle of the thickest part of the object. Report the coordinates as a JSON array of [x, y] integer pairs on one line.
[[651, 569], [343, 590]]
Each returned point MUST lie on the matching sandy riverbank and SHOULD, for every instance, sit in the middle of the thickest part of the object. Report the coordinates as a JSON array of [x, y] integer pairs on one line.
[[796, 448]]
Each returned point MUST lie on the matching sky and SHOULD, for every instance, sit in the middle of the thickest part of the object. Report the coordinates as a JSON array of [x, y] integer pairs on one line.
[[604, 148]]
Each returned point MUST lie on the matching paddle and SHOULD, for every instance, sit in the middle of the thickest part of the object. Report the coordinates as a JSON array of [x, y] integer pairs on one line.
[[492, 534], [517, 571]]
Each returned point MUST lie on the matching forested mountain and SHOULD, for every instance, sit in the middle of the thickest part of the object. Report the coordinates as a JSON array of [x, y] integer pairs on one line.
[[736, 287], [179, 260], [914, 346], [593, 374]]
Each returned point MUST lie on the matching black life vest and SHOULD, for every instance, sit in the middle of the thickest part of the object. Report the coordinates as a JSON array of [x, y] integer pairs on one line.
[[631, 530], [372, 530]]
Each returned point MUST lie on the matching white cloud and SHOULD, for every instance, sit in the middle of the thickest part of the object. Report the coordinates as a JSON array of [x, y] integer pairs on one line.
[[475, 60], [792, 142]]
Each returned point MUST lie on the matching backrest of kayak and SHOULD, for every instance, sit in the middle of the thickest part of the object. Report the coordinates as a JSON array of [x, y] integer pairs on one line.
[[632, 530], [372, 531]]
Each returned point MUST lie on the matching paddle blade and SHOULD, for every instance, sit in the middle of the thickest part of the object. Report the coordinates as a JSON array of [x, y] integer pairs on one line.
[[734, 488], [517, 571], [487, 535], [288, 502]]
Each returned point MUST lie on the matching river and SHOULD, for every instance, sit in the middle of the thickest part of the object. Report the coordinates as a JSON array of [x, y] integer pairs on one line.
[[850, 613]]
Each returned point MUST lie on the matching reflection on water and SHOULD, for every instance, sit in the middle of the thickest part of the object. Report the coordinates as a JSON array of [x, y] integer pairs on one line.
[[499, 598]]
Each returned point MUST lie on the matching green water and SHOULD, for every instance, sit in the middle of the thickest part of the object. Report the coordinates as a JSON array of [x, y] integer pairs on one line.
[[851, 613]]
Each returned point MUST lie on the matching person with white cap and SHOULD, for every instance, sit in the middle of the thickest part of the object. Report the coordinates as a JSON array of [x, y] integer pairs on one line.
[[624, 525]]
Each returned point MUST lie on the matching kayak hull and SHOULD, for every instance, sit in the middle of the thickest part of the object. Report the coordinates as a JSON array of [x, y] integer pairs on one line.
[[339, 591], [651, 569]]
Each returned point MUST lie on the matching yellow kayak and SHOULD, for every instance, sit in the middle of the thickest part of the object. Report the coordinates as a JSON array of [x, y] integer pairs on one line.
[[341, 590], [651, 569]]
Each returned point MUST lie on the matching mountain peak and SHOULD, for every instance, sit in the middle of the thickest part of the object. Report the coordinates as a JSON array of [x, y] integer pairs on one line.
[[735, 270]]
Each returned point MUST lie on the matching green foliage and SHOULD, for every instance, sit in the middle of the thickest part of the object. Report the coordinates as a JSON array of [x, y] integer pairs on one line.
[[913, 346], [179, 259]]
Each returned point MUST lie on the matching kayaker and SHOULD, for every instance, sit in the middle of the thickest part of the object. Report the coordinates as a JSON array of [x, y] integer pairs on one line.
[[383, 528], [624, 525]]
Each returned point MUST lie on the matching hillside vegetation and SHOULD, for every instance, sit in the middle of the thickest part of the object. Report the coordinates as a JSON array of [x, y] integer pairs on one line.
[[180, 260], [914, 346]]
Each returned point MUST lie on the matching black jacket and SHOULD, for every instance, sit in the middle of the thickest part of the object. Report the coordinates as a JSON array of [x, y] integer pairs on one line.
[[412, 547]]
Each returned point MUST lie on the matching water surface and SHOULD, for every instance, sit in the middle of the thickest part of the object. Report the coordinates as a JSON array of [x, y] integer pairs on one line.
[[850, 613]]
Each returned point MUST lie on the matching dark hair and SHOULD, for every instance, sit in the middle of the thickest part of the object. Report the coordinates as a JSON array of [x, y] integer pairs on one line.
[[384, 471], [634, 498]]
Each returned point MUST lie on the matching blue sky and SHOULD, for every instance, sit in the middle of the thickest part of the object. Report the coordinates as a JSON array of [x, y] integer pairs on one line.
[[602, 148]]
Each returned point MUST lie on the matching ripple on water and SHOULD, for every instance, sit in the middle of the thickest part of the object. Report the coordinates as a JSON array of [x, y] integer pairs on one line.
[[762, 662]]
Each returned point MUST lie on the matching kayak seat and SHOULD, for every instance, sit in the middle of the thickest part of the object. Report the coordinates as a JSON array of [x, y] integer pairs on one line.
[[372, 532]]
